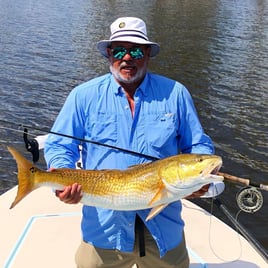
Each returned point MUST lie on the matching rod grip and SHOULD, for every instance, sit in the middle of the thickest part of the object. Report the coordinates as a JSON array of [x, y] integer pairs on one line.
[[243, 181], [234, 178]]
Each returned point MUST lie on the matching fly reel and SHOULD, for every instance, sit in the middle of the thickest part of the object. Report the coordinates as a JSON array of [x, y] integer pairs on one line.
[[249, 199]]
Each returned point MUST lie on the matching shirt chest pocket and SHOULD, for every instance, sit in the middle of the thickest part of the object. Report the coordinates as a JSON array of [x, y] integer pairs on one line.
[[102, 127], [161, 130]]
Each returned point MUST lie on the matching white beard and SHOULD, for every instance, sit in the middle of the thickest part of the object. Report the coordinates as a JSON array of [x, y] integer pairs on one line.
[[128, 80]]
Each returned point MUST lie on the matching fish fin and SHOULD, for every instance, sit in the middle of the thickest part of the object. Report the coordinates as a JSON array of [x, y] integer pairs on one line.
[[171, 188], [155, 211], [26, 172], [159, 195]]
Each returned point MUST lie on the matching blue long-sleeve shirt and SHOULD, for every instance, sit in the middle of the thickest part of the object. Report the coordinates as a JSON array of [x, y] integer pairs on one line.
[[164, 123]]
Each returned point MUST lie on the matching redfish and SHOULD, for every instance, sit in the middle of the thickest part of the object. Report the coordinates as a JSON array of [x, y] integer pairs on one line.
[[150, 185]]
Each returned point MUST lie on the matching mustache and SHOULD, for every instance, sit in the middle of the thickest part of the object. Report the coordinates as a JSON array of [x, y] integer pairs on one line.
[[127, 64]]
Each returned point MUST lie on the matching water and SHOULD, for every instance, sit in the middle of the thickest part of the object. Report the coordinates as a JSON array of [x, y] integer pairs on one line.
[[218, 49]]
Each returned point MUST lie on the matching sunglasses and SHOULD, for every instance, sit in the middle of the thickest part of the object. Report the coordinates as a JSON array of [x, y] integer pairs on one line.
[[135, 52]]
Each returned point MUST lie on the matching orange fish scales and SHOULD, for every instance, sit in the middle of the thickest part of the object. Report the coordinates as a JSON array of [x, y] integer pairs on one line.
[[150, 185]]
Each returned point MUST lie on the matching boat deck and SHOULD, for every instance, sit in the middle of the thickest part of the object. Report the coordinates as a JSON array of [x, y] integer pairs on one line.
[[43, 232]]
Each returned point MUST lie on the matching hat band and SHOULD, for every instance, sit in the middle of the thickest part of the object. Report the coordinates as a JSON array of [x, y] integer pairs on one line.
[[129, 35]]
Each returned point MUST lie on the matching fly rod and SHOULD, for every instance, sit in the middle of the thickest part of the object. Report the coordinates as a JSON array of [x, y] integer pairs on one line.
[[217, 201], [259, 248], [32, 146], [243, 181], [226, 176]]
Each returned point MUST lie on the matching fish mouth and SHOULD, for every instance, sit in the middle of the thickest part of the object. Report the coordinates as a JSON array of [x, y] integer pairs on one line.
[[210, 174], [216, 170], [212, 170]]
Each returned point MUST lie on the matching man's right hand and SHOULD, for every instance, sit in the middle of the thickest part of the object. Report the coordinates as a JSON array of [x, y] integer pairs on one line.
[[71, 194]]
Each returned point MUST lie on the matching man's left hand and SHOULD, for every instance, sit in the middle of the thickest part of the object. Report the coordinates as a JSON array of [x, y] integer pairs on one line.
[[198, 193]]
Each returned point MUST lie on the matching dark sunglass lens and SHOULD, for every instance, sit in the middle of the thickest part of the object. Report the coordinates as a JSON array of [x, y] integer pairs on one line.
[[119, 52], [136, 53]]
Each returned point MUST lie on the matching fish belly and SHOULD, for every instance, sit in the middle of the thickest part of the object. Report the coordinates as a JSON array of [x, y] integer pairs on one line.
[[118, 202]]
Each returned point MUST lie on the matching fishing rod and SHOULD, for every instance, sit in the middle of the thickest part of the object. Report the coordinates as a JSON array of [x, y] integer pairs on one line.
[[258, 247], [248, 199], [90, 141], [32, 146], [226, 176], [243, 181]]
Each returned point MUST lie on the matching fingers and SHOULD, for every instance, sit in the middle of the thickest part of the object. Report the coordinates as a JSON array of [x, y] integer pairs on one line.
[[198, 193], [71, 194], [203, 190]]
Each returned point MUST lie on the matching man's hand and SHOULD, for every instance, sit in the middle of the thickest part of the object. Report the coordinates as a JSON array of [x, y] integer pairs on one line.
[[71, 194], [198, 193]]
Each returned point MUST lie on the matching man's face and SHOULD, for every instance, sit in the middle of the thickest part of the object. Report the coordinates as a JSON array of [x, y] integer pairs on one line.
[[128, 62]]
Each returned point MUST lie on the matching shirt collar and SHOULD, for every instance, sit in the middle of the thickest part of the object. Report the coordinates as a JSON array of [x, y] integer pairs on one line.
[[143, 86]]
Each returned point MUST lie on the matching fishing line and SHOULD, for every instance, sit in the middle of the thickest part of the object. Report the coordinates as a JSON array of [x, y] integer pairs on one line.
[[211, 235], [240, 229]]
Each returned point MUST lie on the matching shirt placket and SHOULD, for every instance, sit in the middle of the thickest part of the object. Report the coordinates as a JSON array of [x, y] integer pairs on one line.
[[133, 141]]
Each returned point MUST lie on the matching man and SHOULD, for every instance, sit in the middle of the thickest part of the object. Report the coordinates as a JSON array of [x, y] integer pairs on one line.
[[133, 109]]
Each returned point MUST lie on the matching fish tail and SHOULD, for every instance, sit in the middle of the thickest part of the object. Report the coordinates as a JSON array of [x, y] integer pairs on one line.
[[26, 171]]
